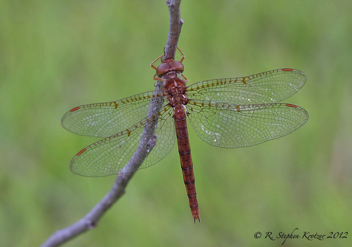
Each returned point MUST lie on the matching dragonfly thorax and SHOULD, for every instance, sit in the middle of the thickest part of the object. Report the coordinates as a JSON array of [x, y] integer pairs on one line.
[[176, 91]]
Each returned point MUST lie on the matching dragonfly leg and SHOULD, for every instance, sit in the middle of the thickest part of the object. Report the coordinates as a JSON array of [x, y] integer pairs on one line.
[[184, 77], [183, 55], [158, 79], [152, 63]]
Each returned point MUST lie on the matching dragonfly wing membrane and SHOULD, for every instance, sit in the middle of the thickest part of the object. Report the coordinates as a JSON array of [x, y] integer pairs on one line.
[[237, 126], [266, 87], [165, 139], [107, 156], [110, 155], [108, 118]]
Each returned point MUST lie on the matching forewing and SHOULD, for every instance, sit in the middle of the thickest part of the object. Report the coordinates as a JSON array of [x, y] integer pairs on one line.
[[110, 155], [266, 87], [108, 118], [237, 126]]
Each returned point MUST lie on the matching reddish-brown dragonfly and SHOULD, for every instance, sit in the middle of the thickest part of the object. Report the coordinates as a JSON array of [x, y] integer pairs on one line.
[[227, 113]]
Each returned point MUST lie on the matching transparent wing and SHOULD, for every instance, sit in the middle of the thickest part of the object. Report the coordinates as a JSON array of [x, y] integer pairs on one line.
[[110, 155], [266, 87], [234, 126], [108, 118]]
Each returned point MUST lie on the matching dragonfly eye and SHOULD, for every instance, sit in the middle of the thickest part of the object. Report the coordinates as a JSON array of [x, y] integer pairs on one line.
[[166, 67], [162, 69], [176, 66]]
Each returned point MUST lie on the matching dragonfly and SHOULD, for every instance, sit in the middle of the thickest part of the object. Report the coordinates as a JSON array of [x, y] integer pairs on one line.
[[227, 113]]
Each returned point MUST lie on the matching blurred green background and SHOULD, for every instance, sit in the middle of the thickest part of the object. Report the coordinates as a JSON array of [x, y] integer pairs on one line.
[[55, 55]]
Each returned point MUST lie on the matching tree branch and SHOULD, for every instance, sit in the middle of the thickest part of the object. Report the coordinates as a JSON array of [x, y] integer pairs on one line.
[[91, 219], [174, 29]]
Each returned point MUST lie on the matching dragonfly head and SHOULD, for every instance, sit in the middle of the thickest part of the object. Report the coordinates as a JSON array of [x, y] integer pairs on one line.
[[167, 66]]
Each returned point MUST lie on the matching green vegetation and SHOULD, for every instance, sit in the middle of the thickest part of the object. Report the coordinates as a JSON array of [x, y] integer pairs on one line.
[[55, 55]]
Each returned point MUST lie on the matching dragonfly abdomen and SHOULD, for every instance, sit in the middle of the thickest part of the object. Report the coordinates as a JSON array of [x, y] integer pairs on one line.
[[184, 150]]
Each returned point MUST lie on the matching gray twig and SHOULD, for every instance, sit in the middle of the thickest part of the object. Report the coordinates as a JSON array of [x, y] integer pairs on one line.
[[91, 219]]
